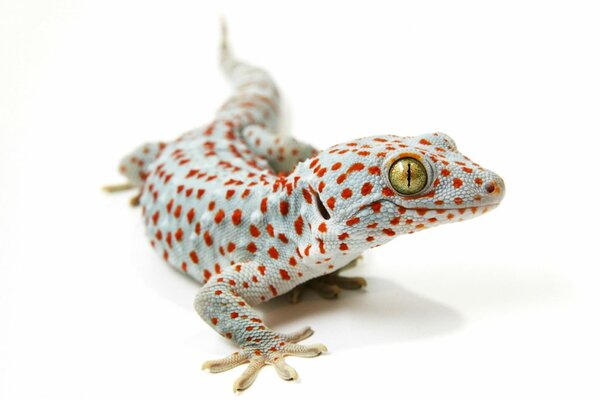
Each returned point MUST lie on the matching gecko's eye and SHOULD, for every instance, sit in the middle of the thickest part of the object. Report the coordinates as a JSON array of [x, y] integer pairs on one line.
[[408, 176]]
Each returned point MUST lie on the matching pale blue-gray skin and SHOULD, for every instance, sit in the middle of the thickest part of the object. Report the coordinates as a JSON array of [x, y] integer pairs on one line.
[[251, 214]]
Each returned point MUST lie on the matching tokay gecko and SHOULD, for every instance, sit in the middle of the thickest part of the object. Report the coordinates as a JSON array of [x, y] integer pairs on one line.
[[251, 214]]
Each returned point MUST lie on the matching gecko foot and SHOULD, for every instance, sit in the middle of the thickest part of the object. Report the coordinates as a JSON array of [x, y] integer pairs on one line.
[[328, 286], [134, 201], [257, 358]]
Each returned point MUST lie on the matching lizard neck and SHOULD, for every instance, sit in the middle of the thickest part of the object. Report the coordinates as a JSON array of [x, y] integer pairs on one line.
[[318, 240]]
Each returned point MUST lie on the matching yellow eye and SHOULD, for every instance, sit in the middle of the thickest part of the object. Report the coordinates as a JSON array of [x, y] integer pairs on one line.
[[408, 176]]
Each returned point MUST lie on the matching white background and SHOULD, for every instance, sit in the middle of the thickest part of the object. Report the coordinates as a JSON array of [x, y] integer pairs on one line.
[[501, 307]]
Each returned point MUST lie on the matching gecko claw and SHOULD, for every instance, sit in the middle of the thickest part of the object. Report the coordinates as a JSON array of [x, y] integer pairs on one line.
[[120, 187], [256, 360]]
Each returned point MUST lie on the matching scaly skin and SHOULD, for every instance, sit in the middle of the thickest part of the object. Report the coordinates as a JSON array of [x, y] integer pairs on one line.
[[251, 215]]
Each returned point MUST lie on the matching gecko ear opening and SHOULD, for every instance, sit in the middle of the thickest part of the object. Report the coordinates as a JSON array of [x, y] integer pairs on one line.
[[320, 206]]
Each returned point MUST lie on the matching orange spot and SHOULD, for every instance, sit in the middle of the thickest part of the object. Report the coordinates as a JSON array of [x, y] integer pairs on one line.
[[207, 238], [219, 216], [356, 167], [299, 225], [273, 290], [263, 205], [273, 253], [353, 221], [270, 230], [457, 182], [284, 207], [236, 217], [387, 191], [374, 170], [323, 227], [366, 188], [307, 250], [346, 193], [254, 231], [307, 196], [331, 202], [284, 275]]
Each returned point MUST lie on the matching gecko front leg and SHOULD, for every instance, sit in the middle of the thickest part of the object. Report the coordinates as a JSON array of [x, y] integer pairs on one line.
[[329, 286], [225, 304]]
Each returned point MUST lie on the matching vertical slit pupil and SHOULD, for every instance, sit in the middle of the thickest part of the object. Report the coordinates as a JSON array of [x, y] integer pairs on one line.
[[409, 164]]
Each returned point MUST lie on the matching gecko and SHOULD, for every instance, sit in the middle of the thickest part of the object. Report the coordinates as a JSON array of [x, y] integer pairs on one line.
[[251, 214]]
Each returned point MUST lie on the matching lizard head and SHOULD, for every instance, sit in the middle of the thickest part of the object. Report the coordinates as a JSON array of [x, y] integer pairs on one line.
[[368, 191]]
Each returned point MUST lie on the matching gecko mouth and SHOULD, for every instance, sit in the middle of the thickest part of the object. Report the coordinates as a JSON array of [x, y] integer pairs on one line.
[[472, 210], [421, 211]]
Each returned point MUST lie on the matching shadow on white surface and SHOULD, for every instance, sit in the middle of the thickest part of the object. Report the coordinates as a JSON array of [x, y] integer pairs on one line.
[[383, 313]]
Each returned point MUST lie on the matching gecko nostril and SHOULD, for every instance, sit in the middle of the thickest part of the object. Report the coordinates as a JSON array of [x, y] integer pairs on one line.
[[490, 187]]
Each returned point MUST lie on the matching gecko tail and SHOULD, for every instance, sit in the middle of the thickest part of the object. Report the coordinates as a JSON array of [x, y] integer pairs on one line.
[[224, 38], [227, 60]]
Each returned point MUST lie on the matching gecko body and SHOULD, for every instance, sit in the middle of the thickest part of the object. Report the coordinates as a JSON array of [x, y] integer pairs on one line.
[[250, 214]]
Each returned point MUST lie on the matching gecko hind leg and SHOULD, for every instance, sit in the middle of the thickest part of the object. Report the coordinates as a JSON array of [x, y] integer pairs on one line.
[[329, 286], [134, 167]]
